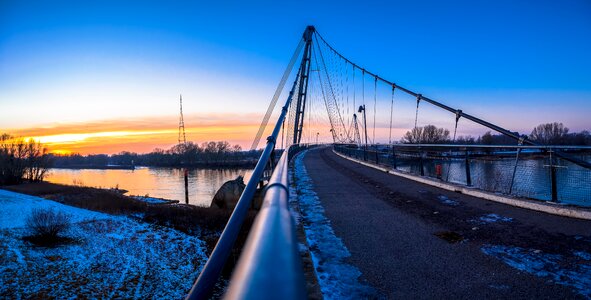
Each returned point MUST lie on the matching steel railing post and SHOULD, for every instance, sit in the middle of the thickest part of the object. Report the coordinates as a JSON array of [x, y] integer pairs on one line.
[[553, 176], [514, 171], [394, 157], [421, 165], [468, 177], [377, 156]]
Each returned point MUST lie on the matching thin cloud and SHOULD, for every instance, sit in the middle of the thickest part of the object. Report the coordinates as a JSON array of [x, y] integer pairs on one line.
[[142, 134]]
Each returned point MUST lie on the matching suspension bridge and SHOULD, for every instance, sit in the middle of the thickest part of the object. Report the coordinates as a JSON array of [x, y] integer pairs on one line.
[[422, 219]]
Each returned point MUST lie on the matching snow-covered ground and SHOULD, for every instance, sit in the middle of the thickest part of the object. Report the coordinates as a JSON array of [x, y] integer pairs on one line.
[[152, 200], [337, 279], [15, 208], [114, 256]]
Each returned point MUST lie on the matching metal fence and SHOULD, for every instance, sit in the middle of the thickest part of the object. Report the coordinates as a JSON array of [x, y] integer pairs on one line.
[[548, 173]]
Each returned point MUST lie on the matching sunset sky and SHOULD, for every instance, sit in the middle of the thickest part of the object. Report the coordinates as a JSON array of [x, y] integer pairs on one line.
[[105, 76]]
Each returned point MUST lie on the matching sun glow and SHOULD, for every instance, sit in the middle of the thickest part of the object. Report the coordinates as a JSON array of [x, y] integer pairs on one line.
[[138, 135], [74, 138], [61, 152]]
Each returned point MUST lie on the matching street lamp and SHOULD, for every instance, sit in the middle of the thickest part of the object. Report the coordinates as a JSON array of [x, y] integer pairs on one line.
[[362, 109]]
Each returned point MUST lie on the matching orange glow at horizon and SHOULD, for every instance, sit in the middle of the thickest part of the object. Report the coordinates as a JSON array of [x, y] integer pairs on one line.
[[141, 136]]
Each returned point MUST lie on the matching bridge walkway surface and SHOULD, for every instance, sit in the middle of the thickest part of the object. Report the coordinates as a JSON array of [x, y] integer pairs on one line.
[[411, 240]]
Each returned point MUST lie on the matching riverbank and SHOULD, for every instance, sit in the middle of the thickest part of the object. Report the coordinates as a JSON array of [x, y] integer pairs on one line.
[[106, 256], [206, 224]]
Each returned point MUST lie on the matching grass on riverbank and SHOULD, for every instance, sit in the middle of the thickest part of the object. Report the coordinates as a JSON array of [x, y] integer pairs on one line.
[[207, 222], [107, 257]]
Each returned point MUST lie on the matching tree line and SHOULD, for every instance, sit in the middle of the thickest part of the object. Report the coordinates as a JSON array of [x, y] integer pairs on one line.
[[214, 154], [544, 134]]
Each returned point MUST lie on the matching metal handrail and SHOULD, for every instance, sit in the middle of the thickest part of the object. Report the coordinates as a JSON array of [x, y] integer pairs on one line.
[[270, 265], [213, 268], [543, 147]]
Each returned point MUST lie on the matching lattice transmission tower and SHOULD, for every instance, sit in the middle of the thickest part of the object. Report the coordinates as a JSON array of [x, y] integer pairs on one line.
[[182, 136]]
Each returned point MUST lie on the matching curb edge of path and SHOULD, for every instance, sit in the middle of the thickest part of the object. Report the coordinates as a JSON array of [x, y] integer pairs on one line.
[[312, 285], [550, 208]]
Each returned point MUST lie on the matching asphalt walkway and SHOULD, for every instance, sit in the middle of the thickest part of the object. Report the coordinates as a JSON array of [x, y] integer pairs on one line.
[[415, 241]]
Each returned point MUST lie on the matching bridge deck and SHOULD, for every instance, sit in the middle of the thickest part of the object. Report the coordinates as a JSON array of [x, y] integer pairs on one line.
[[389, 224]]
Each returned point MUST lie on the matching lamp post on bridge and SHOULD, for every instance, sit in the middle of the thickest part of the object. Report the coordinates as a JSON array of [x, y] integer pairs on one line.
[[317, 134], [362, 109]]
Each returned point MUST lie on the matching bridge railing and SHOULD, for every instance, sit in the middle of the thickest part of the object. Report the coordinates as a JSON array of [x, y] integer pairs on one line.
[[270, 265], [265, 233], [533, 172]]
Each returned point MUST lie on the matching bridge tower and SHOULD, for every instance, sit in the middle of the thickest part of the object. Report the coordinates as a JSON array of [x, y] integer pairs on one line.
[[303, 85]]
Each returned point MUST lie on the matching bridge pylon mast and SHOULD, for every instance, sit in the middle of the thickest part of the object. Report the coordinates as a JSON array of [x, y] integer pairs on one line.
[[303, 85]]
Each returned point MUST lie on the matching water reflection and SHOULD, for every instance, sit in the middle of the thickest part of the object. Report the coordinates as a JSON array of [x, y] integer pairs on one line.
[[165, 183], [531, 178]]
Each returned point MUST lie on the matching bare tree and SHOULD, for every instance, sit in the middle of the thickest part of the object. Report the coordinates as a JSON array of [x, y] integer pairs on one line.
[[428, 134], [22, 160], [549, 133]]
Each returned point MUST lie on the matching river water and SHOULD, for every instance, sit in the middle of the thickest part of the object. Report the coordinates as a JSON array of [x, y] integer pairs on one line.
[[531, 179], [167, 183]]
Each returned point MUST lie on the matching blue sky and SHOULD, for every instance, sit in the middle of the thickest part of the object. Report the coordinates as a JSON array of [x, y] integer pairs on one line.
[[517, 63]]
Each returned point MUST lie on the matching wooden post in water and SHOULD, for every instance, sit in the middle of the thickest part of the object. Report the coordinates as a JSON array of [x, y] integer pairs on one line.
[[186, 186]]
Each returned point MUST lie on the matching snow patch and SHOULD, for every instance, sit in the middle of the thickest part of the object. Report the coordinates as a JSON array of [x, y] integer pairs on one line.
[[582, 254], [16, 208], [445, 200], [547, 265], [337, 279], [151, 200], [492, 218]]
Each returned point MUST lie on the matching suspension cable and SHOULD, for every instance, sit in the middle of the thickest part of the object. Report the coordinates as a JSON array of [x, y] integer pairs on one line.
[[363, 87], [331, 89], [347, 91], [431, 101], [278, 91], [283, 134], [484, 123], [458, 116], [391, 112], [354, 88], [375, 103], [417, 112]]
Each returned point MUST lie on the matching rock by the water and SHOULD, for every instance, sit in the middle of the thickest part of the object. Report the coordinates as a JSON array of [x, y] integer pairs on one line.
[[229, 193]]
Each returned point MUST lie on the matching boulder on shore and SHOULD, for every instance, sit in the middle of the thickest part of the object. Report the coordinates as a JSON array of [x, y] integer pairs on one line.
[[229, 193]]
